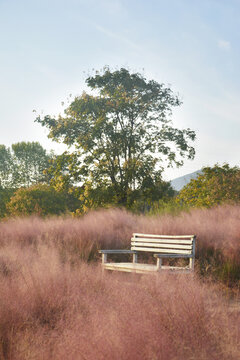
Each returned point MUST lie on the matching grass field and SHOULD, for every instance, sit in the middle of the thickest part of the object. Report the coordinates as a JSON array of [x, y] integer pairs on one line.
[[55, 304]]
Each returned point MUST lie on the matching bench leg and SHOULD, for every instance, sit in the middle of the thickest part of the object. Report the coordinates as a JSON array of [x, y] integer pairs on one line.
[[191, 264], [104, 260], [135, 258], [159, 264]]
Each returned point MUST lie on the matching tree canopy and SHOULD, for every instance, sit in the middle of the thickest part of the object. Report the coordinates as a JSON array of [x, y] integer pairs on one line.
[[120, 135], [23, 164], [214, 186], [6, 167]]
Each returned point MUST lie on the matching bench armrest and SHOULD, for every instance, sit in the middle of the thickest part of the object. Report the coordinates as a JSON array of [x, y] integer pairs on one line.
[[173, 255], [106, 252], [117, 252], [186, 256]]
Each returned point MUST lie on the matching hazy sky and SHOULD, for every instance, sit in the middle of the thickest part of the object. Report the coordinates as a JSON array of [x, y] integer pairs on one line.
[[193, 45]]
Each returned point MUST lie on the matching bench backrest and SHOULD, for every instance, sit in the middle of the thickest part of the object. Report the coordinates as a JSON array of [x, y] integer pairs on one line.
[[169, 244]]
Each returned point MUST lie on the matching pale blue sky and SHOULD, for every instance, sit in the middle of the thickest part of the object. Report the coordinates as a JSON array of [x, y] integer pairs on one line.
[[193, 45]]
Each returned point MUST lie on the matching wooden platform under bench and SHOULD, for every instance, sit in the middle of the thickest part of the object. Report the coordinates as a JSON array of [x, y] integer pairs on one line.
[[161, 247]]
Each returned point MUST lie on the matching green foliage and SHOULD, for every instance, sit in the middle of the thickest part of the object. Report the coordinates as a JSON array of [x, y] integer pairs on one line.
[[23, 164], [152, 199], [6, 166], [30, 161], [38, 199], [214, 186], [121, 134], [5, 196], [62, 171], [167, 207]]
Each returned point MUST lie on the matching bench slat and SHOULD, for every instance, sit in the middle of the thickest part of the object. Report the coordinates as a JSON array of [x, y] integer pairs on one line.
[[166, 241], [161, 250], [168, 246], [164, 236]]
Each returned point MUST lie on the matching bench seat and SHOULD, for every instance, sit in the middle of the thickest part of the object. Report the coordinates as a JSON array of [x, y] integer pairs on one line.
[[142, 268]]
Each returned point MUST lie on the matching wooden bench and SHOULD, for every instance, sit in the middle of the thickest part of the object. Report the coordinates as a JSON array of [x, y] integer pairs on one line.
[[162, 247]]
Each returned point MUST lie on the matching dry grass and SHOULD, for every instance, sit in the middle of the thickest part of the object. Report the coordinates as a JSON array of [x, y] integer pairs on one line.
[[51, 311]]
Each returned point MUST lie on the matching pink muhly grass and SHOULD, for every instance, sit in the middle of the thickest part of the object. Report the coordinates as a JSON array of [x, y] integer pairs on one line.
[[51, 311], [82, 236], [217, 231]]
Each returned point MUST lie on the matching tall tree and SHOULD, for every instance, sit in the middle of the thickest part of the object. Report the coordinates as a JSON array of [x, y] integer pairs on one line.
[[6, 166], [122, 134], [23, 164], [30, 161]]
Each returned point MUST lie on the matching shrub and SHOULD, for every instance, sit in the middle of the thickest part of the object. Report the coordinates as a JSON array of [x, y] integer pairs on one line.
[[38, 199], [5, 196], [214, 186], [167, 207]]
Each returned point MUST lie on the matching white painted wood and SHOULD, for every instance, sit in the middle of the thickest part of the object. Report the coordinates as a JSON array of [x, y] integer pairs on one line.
[[191, 264], [163, 246], [164, 241], [135, 258], [169, 251], [142, 268], [104, 258], [131, 266], [165, 236], [168, 246], [159, 264]]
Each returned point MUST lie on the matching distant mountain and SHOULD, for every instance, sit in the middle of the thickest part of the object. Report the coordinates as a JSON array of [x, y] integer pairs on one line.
[[181, 181]]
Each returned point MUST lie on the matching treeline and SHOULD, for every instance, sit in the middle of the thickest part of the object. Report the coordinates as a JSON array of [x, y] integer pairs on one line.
[[29, 186], [26, 183]]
